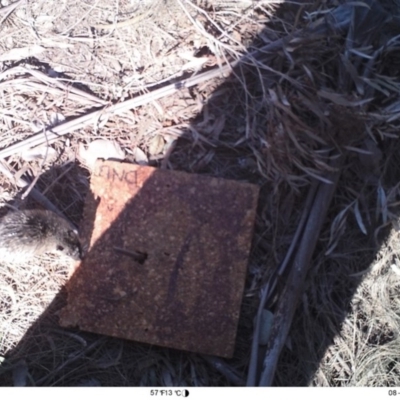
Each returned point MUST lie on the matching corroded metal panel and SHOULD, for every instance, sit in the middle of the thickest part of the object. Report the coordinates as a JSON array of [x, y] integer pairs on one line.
[[166, 260]]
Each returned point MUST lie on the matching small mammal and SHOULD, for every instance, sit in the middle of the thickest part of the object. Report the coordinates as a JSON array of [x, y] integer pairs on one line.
[[28, 233]]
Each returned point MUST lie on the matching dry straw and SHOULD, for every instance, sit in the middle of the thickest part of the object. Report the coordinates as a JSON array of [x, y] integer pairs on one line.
[[311, 96]]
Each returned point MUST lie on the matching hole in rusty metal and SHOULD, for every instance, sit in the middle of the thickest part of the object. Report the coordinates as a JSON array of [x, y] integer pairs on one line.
[[138, 256]]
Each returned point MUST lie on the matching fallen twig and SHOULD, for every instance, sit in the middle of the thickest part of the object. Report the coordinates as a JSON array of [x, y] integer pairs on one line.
[[295, 283], [6, 11], [269, 290], [76, 93], [96, 116], [225, 370]]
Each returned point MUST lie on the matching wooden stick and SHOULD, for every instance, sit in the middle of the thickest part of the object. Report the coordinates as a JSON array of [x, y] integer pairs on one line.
[[218, 72], [270, 288], [295, 284]]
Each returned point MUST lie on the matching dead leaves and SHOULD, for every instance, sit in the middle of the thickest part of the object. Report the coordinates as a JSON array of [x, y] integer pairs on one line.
[[111, 150], [156, 145], [101, 148]]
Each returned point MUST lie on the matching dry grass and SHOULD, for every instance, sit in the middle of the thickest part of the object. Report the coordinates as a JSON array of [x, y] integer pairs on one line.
[[309, 81]]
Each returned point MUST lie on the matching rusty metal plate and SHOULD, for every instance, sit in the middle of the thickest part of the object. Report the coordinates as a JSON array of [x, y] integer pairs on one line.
[[167, 258]]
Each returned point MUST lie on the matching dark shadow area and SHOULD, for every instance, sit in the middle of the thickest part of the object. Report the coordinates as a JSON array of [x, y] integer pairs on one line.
[[279, 143]]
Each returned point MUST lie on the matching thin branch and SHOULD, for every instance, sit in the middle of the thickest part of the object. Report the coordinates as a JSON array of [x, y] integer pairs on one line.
[[33, 183], [295, 283], [218, 72], [6, 11], [269, 289]]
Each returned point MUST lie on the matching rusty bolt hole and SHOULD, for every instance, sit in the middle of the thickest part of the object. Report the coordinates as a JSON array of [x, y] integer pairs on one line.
[[138, 256]]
